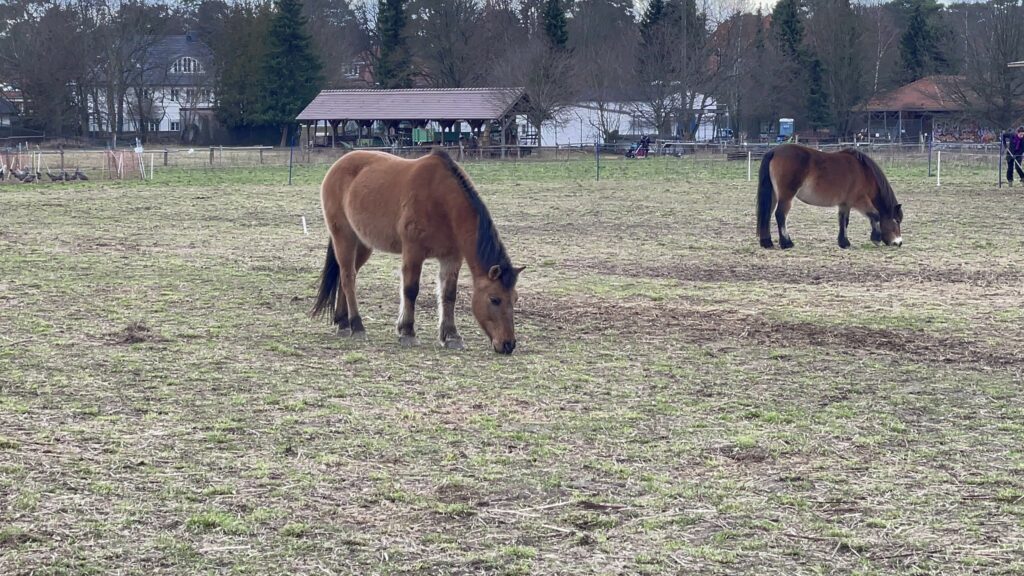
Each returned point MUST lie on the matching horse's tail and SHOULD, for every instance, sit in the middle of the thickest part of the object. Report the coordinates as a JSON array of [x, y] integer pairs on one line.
[[765, 199], [327, 294]]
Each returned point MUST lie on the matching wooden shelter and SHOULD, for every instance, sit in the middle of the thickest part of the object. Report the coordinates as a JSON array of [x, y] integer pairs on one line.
[[490, 112], [914, 109]]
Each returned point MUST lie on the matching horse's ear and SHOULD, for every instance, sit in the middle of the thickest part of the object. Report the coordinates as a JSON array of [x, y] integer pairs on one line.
[[518, 270], [494, 273], [899, 212]]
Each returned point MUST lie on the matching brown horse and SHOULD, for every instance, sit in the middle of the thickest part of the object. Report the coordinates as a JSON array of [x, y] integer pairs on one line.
[[847, 178], [423, 208]]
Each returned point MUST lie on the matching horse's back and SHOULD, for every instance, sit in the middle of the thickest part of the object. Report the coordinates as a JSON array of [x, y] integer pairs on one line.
[[376, 195], [816, 177]]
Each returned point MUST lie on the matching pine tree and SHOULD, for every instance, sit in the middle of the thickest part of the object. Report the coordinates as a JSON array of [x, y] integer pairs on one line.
[[393, 66], [240, 51], [789, 28], [653, 15], [555, 25], [818, 110], [921, 46], [291, 70]]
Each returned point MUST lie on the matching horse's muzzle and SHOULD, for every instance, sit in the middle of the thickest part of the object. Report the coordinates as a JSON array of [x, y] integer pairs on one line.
[[506, 348]]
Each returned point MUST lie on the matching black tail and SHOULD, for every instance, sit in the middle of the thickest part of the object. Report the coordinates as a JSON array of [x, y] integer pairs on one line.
[[765, 197], [327, 294]]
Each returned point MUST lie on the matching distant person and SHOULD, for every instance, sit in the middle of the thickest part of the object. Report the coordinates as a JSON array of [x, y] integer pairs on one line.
[[1014, 154]]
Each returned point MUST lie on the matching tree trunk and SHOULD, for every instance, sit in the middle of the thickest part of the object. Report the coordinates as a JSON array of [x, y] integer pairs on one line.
[[284, 135]]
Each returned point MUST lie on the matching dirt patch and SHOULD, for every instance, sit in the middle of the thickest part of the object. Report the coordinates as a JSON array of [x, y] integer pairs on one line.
[[799, 273], [736, 453], [135, 333], [695, 325]]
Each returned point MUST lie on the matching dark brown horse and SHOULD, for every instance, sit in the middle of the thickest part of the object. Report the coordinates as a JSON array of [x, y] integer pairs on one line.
[[423, 208], [847, 178]]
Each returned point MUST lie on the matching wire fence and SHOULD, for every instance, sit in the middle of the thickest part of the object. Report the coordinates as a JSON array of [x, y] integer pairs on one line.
[[949, 162]]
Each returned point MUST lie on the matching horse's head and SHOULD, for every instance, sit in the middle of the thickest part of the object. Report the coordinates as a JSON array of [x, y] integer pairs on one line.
[[889, 226], [494, 296]]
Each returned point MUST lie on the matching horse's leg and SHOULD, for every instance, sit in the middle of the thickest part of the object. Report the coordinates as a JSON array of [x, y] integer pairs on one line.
[[876, 228], [345, 252], [844, 221], [447, 291], [785, 203], [341, 307], [412, 265]]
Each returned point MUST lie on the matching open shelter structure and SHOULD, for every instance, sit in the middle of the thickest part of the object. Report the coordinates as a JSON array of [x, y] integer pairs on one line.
[[925, 106], [417, 116]]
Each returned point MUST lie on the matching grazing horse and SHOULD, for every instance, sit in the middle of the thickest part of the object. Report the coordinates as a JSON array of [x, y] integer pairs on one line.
[[847, 178], [423, 208]]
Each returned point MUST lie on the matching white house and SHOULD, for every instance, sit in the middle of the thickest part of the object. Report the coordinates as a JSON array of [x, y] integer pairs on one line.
[[175, 96], [586, 123]]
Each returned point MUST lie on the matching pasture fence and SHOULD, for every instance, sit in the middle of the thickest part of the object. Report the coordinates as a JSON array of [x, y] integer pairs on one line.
[[968, 162]]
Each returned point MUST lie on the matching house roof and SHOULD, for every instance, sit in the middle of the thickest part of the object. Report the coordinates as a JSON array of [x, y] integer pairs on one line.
[[929, 94], [165, 50], [413, 104], [6, 108]]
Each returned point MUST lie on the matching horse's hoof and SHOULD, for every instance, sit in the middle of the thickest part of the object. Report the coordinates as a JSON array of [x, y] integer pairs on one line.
[[454, 344], [767, 243], [408, 341], [785, 244], [844, 243], [358, 334]]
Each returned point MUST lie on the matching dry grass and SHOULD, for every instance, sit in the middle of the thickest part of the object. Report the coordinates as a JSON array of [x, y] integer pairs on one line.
[[682, 401]]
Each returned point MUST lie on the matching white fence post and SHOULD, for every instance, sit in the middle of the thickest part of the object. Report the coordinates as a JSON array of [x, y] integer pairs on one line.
[[750, 158], [938, 168]]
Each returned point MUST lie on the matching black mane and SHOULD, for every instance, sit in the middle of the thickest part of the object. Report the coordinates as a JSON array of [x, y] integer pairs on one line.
[[489, 249], [885, 197]]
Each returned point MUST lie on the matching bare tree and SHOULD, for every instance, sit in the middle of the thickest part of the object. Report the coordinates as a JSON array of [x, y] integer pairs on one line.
[[835, 34], [603, 37], [987, 88], [339, 37], [882, 37], [445, 37], [44, 53]]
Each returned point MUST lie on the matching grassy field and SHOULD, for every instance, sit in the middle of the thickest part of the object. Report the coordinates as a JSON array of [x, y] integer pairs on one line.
[[681, 400]]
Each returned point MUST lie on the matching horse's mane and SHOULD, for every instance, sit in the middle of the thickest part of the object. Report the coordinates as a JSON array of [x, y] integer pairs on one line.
[[886, 197], [489, 249]]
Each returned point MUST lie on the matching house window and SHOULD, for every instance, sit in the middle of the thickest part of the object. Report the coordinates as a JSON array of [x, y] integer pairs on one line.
[[187, 65], [175, 126], [154, 126], [352, 70], [174, 94]]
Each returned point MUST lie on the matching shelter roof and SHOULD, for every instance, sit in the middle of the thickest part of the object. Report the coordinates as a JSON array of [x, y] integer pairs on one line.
[[929, 94], [414, 103]]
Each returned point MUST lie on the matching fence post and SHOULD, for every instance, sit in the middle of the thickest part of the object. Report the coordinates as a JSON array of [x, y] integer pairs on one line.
[[261, 154], [165, 156], [211, 155], [597, 156], [62, 160], [938, 168], [999, 166], [750, 160]]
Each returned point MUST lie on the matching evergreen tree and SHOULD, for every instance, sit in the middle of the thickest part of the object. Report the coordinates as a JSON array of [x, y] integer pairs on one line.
[[789, 28], [239, 51], [393, 66], [555, 25], [818, 110], [920, 46], [291, 69], [651, 20]]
